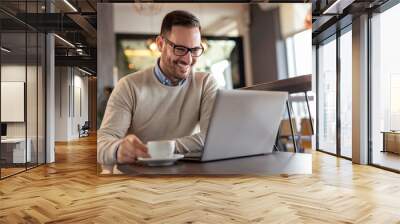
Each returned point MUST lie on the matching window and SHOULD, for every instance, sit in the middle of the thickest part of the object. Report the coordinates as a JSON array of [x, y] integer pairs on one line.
[[346, 94], [327, 97], [385, 88], [299, 53], [299, 62]]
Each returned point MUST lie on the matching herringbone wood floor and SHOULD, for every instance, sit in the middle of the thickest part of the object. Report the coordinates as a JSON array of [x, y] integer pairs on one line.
[[69, 191]]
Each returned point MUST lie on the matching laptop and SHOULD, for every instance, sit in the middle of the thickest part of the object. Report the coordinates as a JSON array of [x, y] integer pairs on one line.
[[243, 123]]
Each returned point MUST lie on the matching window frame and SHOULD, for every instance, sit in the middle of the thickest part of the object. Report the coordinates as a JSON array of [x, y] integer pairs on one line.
[[378, 10], [333, 37]]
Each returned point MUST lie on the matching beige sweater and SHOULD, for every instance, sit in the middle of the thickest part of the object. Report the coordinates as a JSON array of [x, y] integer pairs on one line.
[[141, 105]]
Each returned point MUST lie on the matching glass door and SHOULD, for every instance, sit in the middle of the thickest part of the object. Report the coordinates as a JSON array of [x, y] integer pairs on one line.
[[22, 77], [13, 103]]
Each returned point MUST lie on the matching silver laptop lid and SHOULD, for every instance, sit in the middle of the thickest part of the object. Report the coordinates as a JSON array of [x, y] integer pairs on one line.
[[243, 123]]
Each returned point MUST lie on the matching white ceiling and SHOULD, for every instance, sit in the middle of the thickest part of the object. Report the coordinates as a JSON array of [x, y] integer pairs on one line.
[[128, 20]]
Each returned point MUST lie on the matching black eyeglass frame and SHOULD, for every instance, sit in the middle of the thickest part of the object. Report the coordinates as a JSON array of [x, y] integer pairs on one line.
[[175, 46]]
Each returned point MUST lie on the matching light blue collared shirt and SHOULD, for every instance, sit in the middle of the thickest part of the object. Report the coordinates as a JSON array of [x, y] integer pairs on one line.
[[162, 78]]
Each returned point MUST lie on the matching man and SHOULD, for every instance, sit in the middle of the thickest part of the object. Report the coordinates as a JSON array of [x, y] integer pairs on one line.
[[167, 101]]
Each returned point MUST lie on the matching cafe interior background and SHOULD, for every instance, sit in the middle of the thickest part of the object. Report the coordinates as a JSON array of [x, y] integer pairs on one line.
[[246, 44]]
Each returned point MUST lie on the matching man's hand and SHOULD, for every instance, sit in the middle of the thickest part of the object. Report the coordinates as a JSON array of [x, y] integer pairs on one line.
[[130, 149]]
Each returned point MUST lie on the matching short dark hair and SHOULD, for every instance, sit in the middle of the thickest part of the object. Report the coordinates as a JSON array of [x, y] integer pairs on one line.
[[179, 18]]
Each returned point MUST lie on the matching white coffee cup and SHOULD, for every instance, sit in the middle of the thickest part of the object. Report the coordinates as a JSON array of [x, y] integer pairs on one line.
[[161, 149]]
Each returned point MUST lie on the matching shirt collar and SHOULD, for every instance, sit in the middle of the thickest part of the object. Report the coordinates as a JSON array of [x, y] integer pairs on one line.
[[162, 78]]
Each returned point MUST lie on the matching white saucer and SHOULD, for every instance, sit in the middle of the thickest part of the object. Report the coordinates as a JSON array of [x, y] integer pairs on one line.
[[160, 161]]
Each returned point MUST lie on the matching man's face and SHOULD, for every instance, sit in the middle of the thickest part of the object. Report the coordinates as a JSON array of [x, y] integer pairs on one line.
[[178, 67]]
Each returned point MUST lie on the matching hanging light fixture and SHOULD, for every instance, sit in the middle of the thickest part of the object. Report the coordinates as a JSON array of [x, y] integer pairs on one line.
[[5, 50], [65, 41], [70, 6], [204, 43], [84, 71], [152, 45], [146, 9]]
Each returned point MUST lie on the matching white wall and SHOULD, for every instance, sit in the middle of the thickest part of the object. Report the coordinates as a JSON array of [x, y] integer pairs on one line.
[[70, 83], [80, 96], [33, 127], [61, 103], [14, 73], [17, 73]]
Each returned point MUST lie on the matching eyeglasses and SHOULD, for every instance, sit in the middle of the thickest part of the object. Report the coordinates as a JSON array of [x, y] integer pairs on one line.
[[180, 50]]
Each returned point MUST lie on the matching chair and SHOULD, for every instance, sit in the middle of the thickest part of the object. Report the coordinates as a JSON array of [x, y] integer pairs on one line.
[[306, 128], [306, 132], [299, 84], [285, 134]]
